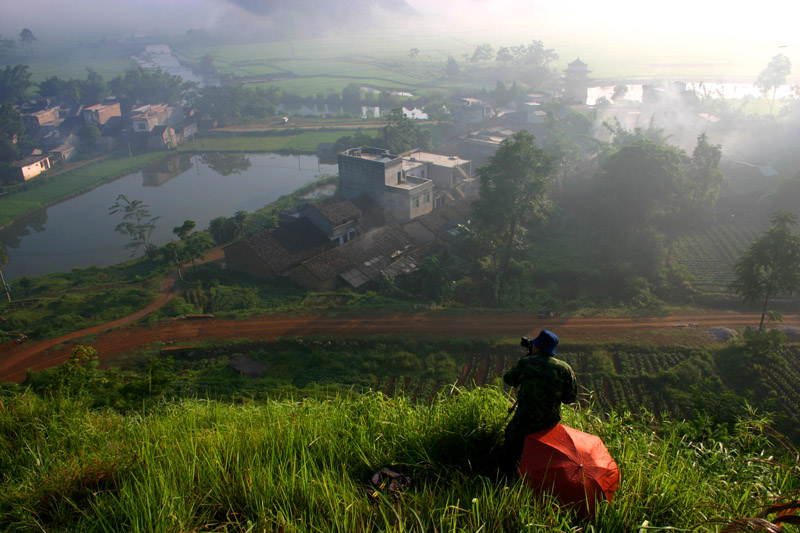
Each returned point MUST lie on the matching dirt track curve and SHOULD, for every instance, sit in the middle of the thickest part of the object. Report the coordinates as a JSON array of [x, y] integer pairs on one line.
[[121, 336]]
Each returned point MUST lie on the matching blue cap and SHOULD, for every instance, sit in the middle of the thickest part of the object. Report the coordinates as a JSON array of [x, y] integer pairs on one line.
[[546, 342]]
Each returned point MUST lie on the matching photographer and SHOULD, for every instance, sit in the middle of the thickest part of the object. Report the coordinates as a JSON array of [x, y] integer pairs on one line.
[[544, 383]]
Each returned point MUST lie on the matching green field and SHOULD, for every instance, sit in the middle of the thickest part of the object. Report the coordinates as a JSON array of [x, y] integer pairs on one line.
[[709, 254]]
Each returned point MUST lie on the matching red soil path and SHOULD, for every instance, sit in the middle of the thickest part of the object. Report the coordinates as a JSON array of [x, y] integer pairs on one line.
[[120, 336]]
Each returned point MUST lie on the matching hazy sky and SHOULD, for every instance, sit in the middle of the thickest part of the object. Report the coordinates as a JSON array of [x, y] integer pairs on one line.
[[691, 31]]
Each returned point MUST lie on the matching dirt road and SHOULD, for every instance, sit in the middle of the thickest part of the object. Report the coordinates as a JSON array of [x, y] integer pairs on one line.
[[117, 338]]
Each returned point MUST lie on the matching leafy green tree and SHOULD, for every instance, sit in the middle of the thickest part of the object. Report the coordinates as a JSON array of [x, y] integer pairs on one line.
[[183, 231], [68, 90], [139, 86], [401, 134], [770, 266], [27, 39], [640, 185], [359, 138], [451, 68], [3, 261], [137, 222], [94, 88], [704, 177], [12, 133], [514, 197], [504, 55], [773, 76], [619, 92], [88, 135], [196, 245], [7, 46], [14, 84], [483, 52]]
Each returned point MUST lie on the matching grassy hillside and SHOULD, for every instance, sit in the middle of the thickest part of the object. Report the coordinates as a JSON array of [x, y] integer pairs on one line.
[[299, 465]]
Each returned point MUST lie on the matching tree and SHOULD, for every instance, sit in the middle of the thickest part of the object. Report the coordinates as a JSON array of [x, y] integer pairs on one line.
[[641, 184], [413, 52], [483, 52], [14, 84], [773, 76], [12, 133], [770, 266], [27, 39], [451, 69], [704, 176], [7, 46], [183, 231], [504, 55], [137, 223], [401, 134], [359, 138], [3, 261], [94, 89], [619, 92], [88, 135], [514, 189]]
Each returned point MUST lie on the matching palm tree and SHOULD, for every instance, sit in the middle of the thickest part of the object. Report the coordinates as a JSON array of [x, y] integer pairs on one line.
[[27, 39]]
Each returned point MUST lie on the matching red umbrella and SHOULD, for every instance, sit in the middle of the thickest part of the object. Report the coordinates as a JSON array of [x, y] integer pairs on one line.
[[574, 465]]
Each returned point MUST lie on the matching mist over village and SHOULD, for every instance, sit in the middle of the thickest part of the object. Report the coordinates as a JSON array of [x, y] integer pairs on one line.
[[265, 266]]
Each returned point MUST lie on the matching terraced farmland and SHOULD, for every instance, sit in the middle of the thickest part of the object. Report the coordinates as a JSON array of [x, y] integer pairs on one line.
[[709, 254]]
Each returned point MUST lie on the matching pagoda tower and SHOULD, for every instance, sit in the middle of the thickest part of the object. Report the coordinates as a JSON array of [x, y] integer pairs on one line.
[[576, 82]]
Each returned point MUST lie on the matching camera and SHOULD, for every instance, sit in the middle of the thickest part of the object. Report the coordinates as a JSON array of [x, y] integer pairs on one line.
[[526, 343]]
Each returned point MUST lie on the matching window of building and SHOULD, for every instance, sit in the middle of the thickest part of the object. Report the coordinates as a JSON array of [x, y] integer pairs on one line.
[[427, 198], [415, 201], [399, 177], [423, 173]]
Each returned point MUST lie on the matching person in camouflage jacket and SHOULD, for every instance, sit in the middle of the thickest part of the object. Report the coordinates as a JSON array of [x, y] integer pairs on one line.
[[544, 383]]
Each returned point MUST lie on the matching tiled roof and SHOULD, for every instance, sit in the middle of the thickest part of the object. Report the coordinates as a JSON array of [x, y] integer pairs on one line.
[[288, 245], [376, 248], [337, 210]]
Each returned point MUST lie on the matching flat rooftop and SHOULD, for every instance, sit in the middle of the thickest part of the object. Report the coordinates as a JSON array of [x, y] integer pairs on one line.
[[373, 154], [436, 159]]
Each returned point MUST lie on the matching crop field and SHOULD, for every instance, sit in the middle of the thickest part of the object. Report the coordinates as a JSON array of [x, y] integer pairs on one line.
[[709, 254]]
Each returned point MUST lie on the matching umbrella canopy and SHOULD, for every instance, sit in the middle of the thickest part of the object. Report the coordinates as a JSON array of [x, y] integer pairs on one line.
[[575, 466]]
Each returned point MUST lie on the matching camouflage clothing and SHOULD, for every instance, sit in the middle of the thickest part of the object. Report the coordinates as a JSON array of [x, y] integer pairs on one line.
[[544, 384]]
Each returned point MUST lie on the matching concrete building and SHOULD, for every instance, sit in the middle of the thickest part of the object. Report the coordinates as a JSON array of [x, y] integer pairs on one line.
[[398, 184], [31, 166], [147, 117], [407, 185]]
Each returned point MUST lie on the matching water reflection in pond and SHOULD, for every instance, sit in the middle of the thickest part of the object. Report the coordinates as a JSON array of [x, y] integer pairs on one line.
[[80, 233]]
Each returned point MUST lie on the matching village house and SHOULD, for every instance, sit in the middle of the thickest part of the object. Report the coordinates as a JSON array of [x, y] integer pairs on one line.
[[38, 113], [274, 252], [337, 217], [358, 263], [147, 117], [406, 185], [99, 114], [31, 166], [162, 138]]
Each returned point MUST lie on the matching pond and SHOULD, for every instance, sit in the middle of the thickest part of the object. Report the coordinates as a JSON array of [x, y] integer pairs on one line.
[[79, 232]]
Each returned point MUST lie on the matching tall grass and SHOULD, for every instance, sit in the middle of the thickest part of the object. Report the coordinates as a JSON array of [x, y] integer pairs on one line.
[[299, 466]]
